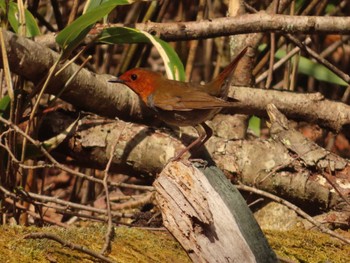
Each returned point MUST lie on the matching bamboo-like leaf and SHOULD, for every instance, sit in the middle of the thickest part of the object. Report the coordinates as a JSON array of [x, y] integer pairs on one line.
[[117, 35], [4, 105], [315, 70], [32, 28], [70, 37], [173, 65], [319, 72], [91, 4], [31, 24], [255, 125]]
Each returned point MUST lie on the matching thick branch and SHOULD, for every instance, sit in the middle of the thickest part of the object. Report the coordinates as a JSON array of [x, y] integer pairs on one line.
[[249, 23], [308, 107], [267, 164], [88, 91], [226, 26], [93, 93]]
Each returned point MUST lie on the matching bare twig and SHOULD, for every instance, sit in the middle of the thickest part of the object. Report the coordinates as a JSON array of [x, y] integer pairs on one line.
[[146, 198], [70, 79], [272, 50], [110, 231], [41, 235], [66, 204], [283, 60], [294, 208], [36, 105], [194, 43], [73, 11], [46, 153], [332, 47], [56, 164], [319, 59], [57, 13], [35, 215], [334, 184], [18, 162]]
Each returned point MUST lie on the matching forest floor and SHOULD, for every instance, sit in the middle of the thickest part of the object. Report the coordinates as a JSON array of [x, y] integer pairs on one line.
[[143, 245]]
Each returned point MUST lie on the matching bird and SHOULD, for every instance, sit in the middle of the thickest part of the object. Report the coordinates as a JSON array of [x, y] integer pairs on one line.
[[180, 103]]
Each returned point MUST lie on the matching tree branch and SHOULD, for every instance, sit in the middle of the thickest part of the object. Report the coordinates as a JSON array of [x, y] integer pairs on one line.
[[273, 169], [311, 107], [87, 91], [91, 92], [248, 23], [226, 26]]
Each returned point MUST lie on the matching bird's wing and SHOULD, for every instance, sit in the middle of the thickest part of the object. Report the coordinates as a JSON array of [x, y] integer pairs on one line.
[[186, 100]]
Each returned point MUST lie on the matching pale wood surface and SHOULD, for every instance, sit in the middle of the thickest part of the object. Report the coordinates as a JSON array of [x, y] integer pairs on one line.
[[208, 216]]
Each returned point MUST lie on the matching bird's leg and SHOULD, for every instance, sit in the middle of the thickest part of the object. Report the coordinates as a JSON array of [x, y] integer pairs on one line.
[[208, 132], [204, 133]]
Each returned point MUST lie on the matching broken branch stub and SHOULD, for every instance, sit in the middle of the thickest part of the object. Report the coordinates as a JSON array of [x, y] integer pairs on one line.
[[208, 216]]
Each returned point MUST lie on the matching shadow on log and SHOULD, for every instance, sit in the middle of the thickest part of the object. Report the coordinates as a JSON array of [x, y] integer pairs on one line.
[[208, 216]]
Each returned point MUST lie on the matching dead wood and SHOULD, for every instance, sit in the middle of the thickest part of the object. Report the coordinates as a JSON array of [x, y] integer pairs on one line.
[[208, 216]]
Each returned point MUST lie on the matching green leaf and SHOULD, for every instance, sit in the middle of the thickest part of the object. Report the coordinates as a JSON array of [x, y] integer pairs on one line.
[[5, 103], [32, 28], [118, 35], [122, 35], [173, 65], [315, 70], [70, 37], [31, 25], [299, 4], [330, 8], [319, 72], [91, 4], [310, 68], [11, 16], [254, 125]]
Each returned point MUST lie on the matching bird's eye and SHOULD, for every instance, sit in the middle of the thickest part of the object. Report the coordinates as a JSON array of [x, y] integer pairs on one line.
[[133, 77]]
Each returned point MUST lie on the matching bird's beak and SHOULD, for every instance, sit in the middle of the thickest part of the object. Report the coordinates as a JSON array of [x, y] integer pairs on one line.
[[116, 80]]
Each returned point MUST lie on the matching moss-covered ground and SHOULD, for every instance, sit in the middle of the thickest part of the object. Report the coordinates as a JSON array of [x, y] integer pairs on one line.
[[309, 246], [130, 245], [139, 245]]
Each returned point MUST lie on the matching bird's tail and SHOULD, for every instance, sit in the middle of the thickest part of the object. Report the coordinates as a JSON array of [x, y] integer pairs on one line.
[[216, 85]]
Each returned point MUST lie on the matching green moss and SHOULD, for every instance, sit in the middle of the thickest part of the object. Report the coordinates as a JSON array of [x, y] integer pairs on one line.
[[308, 246], [137, 245], [146, 246], [130, 245]]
